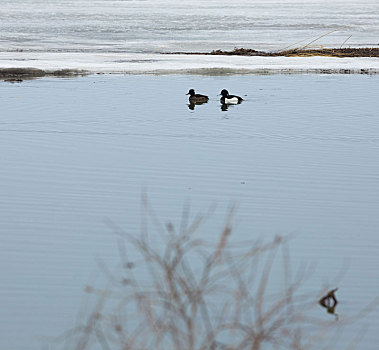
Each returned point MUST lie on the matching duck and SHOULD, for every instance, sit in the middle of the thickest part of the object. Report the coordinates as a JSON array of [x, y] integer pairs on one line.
[[229, 99], [197, 98]]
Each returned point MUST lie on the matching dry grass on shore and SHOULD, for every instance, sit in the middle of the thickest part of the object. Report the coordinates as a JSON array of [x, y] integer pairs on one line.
[[297, 52], [304, 52], [307, 50]]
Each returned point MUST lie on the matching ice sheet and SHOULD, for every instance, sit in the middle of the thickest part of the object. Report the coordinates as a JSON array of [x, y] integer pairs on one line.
[[137, 63], [113, 36]]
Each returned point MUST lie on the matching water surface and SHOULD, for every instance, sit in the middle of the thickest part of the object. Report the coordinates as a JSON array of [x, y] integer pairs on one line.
[[298, 156]]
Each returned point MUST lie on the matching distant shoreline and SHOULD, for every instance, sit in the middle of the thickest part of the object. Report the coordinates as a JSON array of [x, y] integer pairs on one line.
[[30, 65], [300, 52]]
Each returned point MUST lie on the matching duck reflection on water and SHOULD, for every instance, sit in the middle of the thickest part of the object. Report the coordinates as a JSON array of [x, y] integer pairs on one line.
[[224, 107], [192, 105]]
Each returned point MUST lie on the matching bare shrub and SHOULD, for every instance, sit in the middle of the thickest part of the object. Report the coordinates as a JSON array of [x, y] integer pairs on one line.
[[187, 294]]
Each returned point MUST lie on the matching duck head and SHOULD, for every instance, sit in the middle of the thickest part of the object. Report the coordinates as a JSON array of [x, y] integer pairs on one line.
[[191, 92], [224, 93]]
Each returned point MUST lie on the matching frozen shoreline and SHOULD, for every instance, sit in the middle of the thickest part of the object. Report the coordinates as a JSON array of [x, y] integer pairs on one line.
[[137, 63]]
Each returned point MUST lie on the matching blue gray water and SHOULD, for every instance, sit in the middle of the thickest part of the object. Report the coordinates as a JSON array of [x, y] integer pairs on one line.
[[298, 156]]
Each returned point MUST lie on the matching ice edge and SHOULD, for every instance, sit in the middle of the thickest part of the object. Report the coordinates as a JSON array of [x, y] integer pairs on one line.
[[161, 64]]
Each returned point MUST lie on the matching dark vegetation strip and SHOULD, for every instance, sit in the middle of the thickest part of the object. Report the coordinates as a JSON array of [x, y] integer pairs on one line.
[[17, 74], [329, 52]]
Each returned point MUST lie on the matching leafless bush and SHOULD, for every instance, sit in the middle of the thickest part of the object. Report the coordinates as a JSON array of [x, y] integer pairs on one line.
[[187, 294]]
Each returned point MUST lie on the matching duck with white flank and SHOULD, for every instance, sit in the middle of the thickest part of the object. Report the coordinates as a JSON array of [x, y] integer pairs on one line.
[[229, 99], [197, 98]]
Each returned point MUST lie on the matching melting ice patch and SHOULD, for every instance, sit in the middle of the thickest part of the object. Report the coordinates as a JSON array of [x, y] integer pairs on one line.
[[137, 63], [111, 36]]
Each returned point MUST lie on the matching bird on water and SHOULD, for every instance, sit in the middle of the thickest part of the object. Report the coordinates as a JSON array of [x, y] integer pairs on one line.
[[196, 98], [226, 98]]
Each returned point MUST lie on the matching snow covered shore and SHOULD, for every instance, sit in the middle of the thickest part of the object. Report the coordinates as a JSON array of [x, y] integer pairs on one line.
[[138, 63]]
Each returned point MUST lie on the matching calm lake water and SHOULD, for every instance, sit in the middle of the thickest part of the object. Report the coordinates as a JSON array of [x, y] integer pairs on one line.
[[298, 156]]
